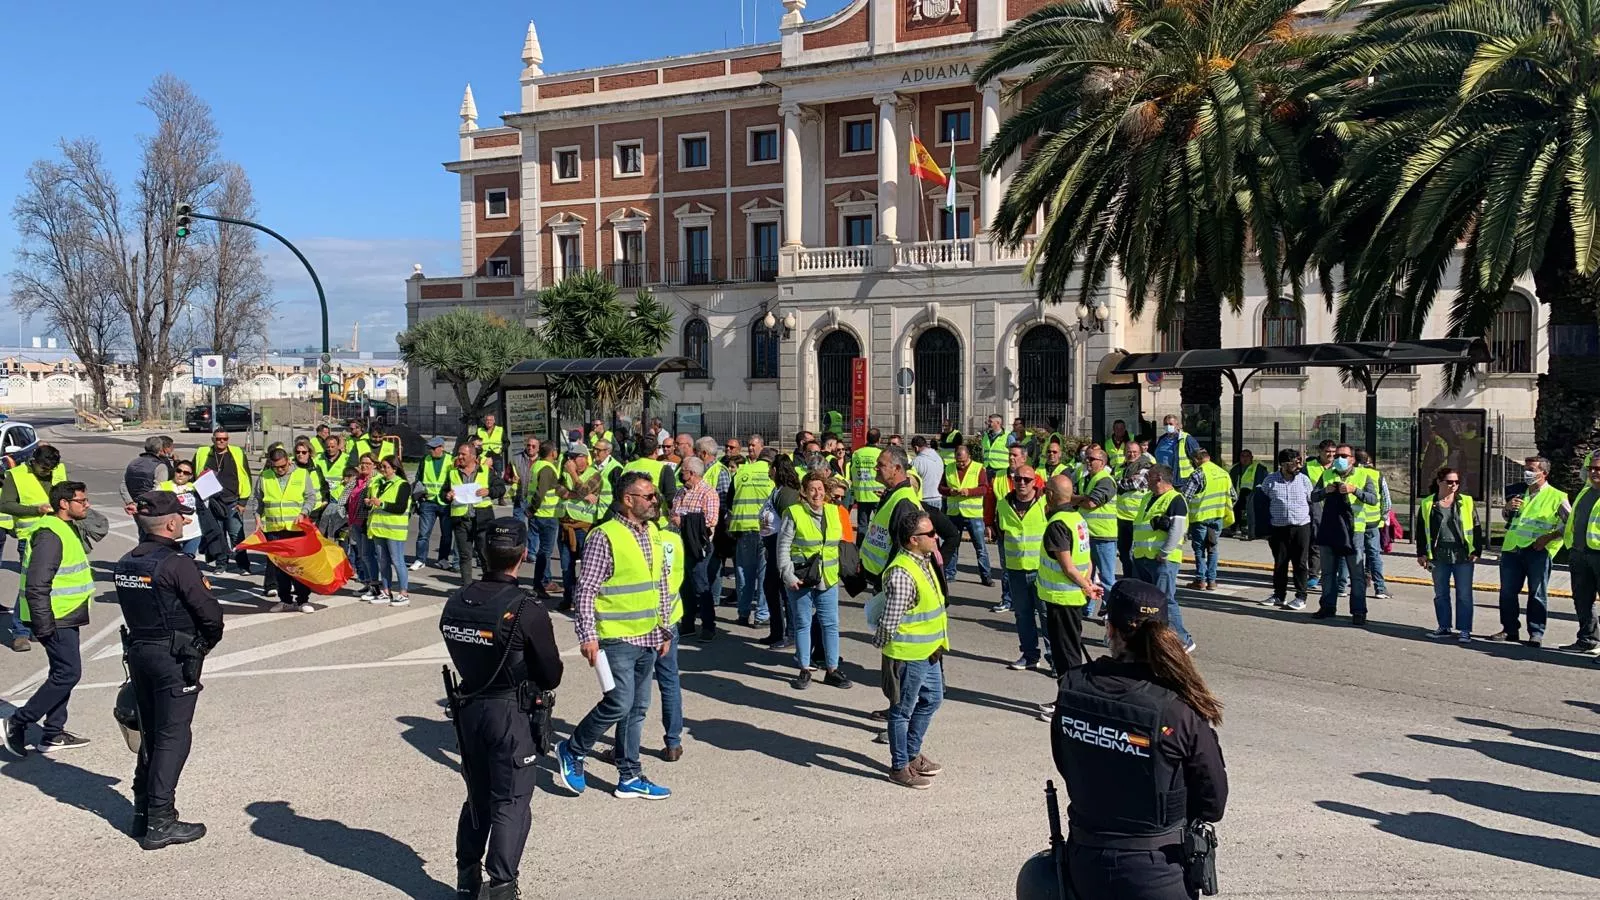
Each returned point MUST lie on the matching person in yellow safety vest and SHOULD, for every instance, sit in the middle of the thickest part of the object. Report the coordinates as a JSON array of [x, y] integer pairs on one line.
[[900, 499], [661, 474], [542, 510], [56, 587], [1131, 494], [1247, 475], [808, 568], [752, 485], [1210, 494], [432, 511], [1449, 539], [335, 464], [1373, 518], [233, 472], [1065, 587], [913, 633], [383, 445], [605, 464], [389, 502], [993, 445], [1097, 503], [304, 459], [863, 475], [319, 441], [1054, 463], [1158, 542], [1000, 486], [1536, 523], [493, 437], [949, 439], [624, 608], [25, 499], [1175, 449], [1583, 536], [598, 432], [1021, 515], [966, 483], [579, 496], [472, 489], [1117, 447], [1317, 467], [358, 441], [182, 487], [1344, 489], [285, 494]]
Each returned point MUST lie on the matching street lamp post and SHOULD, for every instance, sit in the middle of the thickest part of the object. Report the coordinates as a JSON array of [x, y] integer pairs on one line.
[[185, 211]]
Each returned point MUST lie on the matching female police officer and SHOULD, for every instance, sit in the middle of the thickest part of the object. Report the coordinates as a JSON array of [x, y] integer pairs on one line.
[[1132, 736]]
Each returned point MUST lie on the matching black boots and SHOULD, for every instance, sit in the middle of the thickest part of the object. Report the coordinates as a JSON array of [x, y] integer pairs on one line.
[[164, 829], [141, 817], [469, 881], [503, 890]]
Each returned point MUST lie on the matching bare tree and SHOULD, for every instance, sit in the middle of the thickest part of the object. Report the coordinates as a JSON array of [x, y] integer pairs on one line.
[[234, 297], [61, 277]]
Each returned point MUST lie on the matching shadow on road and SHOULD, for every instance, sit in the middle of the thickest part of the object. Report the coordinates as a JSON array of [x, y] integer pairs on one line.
[[1583, 742], [73, 786], [742, 736], [1585, 704], [433, 738], [1540, 759], [1460, 834], [1579, 812], [372, 853]]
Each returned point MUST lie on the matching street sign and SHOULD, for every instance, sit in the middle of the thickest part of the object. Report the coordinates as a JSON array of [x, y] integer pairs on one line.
[[904, 379], [208, 370], [382, 384], [904, 392]]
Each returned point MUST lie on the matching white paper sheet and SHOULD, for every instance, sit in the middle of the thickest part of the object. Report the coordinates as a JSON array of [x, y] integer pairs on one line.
[[207, 485], [466, 494]]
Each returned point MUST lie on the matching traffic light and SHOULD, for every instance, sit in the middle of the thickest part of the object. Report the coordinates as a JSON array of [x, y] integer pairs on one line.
[[180, 213]]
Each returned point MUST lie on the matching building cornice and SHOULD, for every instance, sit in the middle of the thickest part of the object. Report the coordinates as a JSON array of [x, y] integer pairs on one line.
[[647, 107]]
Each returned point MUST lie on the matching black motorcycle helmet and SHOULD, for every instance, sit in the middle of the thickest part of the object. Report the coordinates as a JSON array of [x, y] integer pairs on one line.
[[126, 712]]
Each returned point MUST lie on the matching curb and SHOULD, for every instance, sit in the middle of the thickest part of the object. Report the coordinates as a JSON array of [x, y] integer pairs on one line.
[[1484, 586]]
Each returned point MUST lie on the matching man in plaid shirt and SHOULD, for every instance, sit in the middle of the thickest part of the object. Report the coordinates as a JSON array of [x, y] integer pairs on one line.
[[632, 659]]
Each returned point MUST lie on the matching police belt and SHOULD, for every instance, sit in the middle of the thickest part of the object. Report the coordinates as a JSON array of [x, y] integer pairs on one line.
[[139, 635], [1084, 838], [493, 693]]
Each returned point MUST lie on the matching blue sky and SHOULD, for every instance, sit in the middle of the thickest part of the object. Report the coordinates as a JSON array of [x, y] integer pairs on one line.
[[340, 110]]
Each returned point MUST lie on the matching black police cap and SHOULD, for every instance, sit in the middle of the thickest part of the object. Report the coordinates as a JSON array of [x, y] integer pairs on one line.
[[159, 503], [1131, 602], [508, 532]]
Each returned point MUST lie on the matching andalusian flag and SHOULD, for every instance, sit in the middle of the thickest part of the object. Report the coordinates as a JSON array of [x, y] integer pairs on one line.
[[950, 184], [923, 166]]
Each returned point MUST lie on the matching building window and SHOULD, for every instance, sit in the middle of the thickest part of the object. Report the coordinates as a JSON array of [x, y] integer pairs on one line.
[[496, 203], [857, 231], [856, 135], [1510, 338], [1170, 339], [694, 152], [630, 267], [1283, 324], [697, 346], [629, 158], [954, 125], [763, 145], [566, 163], [498, 267], [697, 255], [763, 350], [569, 249], [763, 263], [958, 228], [1390, 331]]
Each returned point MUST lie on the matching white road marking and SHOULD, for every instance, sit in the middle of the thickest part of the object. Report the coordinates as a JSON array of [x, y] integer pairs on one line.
[[38, 677], [267, 651], [235, 620]]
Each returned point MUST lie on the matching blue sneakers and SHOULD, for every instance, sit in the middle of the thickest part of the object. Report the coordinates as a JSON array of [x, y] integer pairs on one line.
[[641, 788], [1313, 583], [571, 768]]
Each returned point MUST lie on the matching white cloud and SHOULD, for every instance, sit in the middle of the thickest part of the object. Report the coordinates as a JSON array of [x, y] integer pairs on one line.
[[363, 279]]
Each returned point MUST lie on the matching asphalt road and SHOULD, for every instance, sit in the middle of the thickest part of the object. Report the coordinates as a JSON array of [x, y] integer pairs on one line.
[[1364, 763]]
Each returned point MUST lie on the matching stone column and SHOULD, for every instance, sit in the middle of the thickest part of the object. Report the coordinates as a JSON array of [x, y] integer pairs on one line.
[[991, 187], [793, 175], [888, 169]]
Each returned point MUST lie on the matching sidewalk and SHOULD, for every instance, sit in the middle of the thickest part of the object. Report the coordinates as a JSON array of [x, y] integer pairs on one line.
[[1399, 566]]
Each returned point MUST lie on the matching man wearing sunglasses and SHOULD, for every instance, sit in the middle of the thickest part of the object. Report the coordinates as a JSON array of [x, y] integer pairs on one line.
[[1583, 536], [233, 472]]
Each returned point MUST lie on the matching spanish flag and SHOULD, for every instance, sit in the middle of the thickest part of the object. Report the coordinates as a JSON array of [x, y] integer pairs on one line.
[[923, 166]]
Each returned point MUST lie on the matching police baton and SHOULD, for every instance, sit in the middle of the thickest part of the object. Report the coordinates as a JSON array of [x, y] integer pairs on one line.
[[452, 699], [1058, 842]]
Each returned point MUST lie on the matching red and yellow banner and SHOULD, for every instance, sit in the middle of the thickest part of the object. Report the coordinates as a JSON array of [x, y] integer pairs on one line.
[[923, 166], [307, 557]]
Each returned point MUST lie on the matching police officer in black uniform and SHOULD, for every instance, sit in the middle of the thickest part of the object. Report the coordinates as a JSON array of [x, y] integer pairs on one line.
[[1133, 737], [501, 666], [172, 620]]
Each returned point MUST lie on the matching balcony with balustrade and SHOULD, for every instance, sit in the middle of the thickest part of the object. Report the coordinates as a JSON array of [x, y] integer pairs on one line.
[[962, 253]]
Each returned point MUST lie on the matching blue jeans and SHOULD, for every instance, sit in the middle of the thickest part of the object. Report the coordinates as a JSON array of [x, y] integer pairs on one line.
[[623, 706], [1000, 554], [49, 703], [1025, 604], [1163, 573], [569, 566], [824, 604], [1442, 574], [388, 554], [362, 556], [1515, 567], [18, 627], [1103, 556], [671, 696], [1349, 567], [921, 692], [428, 515], [749, 571], [1205, 558], [973, 526], [191, 547], [543, 532], [1373, 557]]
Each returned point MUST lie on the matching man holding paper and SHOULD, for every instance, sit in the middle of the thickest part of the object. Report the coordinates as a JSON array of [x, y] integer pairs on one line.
[[472, 490], [624, 602]]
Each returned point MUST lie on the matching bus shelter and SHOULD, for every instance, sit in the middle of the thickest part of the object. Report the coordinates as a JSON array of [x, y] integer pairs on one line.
[[527, 389]]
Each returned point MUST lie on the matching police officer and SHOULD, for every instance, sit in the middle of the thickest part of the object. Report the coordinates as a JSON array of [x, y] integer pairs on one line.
[[1132, 736], [500, 640], [172, 621]]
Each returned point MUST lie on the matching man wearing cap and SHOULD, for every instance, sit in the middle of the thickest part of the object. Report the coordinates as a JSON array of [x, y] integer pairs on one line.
[[579, 496], [172, 621], [500, 639], [606, 466], [431, 508]]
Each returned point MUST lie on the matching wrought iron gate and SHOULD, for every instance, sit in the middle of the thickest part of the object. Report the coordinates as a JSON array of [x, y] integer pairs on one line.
[[1044, 378], [835, 355], [937, 361]]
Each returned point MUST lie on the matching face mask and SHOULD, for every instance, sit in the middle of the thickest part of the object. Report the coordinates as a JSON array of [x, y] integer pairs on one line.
[[1172, 429], [1341, 464], [1529, 477]]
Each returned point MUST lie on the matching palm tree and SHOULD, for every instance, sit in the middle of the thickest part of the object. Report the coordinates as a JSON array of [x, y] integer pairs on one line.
[[583, 317], [469, 350], [1473, 135], [1164, 136]]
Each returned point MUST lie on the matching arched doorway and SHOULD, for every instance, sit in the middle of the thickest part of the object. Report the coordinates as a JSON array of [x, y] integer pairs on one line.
[[1044, 378], [937, 361], [835, 356]]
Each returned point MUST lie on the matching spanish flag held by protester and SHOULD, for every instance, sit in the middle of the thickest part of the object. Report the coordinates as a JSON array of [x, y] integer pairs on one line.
[[923, 166], [307, 557]]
